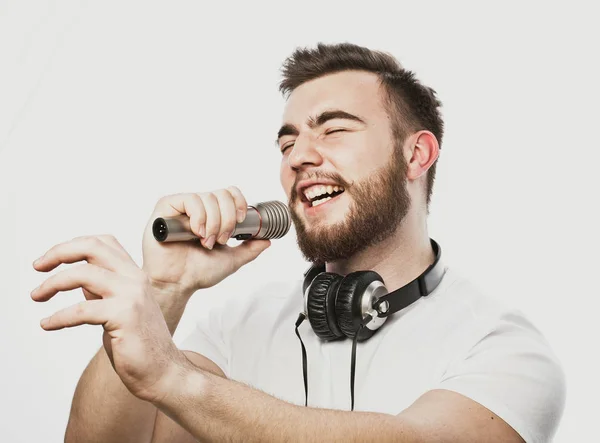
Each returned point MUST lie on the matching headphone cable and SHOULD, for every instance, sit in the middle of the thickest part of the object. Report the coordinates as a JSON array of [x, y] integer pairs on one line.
[[364, 323], [301, 318]]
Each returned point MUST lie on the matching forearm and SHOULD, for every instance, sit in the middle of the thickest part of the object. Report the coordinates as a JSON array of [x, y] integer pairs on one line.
[[214, 409], [103, 409], [172, 301]]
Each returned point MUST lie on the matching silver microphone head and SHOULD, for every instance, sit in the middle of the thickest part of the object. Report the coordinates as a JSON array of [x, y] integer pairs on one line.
[[268, 220]]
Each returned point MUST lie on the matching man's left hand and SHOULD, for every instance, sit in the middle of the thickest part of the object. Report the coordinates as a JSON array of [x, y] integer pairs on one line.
[[118, 297]]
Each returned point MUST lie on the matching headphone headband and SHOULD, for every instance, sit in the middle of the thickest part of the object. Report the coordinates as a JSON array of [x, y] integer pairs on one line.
[[396, 300], [421, 286]]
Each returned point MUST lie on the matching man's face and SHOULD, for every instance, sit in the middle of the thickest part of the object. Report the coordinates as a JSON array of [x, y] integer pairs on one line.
[[323, 144]]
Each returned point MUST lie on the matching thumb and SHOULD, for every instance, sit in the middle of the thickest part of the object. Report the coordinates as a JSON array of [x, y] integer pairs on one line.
[[249, 250]]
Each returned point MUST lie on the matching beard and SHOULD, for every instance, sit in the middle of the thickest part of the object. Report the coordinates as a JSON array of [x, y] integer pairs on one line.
[[378, 205]]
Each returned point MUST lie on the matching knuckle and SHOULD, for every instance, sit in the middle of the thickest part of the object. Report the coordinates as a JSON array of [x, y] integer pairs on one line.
[[210, 196], [50, 252], [164, 200], [197, 219], [141, 280], [109, 238], [228, 201], [213, 215], [74, 242], [161, 201], [195, 223], [234, 189], [198, 207], [135, 303], [82, 268], [92, 241], [55, 279], [84, 237], [80, 309], [223, 193]]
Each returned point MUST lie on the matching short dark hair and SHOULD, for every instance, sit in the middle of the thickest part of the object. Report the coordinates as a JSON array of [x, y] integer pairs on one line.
[[412, 106]]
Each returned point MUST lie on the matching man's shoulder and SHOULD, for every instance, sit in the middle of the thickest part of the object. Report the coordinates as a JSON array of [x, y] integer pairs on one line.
[[480, 316], [499, 358], [472, 298], [468, 309]]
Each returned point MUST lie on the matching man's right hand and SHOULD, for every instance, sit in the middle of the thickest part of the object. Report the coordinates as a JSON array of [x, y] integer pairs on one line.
[[187, 266]]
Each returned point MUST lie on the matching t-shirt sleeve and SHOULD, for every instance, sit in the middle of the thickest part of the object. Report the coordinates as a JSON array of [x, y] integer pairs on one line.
[[207, 337], [513, 372]]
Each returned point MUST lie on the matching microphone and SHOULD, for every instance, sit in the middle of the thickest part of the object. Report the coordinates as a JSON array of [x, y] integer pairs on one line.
[[264, 220]]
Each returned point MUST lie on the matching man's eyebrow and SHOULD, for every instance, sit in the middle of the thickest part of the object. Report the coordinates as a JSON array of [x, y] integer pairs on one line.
[[289, 129], [330, 115]]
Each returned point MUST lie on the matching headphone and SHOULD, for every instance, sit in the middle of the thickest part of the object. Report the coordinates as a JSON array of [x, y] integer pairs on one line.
[[357, 305], [336, 306]]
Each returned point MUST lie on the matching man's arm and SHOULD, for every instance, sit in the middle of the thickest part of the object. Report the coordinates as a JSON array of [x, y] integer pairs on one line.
[[103, 409], [214, 409], [165, 429]]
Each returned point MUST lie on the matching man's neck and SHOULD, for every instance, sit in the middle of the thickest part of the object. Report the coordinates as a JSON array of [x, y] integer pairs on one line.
[[399, 260]]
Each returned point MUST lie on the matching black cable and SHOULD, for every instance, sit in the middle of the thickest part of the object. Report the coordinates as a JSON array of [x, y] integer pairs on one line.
[[366, 320], [301, 318]]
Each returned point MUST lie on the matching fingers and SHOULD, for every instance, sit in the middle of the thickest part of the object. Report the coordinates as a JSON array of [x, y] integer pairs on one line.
[[189, 204], [95, 279], [213, 218], [91, 312], [241, 204], [228, 215], [213, 215], [112, 241], [89, 248], [232, 207]]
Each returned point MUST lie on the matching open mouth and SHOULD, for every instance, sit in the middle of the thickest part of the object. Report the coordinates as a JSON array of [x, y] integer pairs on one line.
[[321, 199]]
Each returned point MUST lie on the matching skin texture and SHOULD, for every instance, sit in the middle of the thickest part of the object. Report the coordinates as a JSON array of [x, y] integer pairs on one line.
[[172, 396], [359, 230], [357, 150]]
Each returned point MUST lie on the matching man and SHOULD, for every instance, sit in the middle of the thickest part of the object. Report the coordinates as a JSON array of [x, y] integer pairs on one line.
[[453, 366]]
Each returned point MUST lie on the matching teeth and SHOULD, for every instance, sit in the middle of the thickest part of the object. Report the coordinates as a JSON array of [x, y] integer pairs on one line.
[[316, 190], [320, 202]]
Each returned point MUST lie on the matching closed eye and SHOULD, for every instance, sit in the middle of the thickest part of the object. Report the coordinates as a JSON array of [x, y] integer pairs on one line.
[[286, 147], [334, 130], [326, 133]]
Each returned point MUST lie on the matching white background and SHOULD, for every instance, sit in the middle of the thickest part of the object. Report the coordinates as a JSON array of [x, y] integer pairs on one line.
[[107, 106]]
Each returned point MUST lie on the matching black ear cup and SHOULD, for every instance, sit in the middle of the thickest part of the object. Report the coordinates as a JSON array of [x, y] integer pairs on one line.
[[320, 305], [347, 306]]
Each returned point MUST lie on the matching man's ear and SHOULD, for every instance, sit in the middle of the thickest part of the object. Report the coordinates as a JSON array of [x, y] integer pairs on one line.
[[425, 150]]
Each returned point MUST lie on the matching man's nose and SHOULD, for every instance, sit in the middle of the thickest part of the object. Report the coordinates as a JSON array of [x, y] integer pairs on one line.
[[305, 151]]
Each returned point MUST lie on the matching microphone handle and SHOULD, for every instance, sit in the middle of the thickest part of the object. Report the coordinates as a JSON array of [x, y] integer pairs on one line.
[[265, 220]]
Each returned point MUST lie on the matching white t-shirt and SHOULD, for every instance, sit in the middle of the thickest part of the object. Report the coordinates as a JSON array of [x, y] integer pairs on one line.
[[456, 338]]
